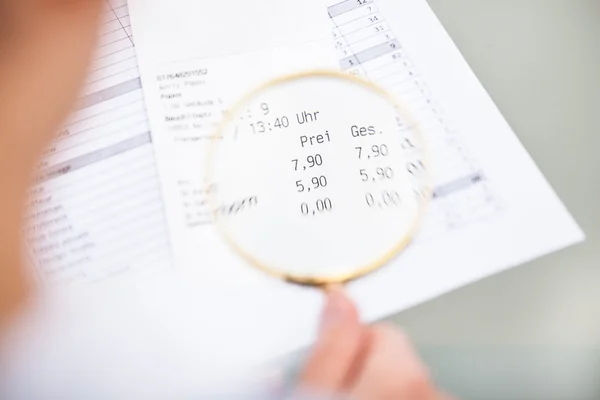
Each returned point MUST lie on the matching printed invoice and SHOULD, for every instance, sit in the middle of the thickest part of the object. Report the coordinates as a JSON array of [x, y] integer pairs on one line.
[[492, 208]]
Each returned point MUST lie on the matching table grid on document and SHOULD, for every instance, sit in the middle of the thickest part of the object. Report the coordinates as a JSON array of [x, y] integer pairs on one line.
[[121, 11], [112, 102], [97, 209], [115, 58], [367, 47]]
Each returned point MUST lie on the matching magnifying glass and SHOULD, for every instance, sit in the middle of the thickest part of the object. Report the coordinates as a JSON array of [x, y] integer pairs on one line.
[[318, 178]]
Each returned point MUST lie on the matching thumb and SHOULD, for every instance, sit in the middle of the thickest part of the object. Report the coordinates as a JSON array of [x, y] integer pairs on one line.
[[337, 347]]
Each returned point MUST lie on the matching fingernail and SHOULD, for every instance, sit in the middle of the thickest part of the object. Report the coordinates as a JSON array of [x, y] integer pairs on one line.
[[337, 309]]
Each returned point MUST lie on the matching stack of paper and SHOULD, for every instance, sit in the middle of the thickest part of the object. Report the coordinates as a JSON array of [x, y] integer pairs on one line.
[[98, 210]]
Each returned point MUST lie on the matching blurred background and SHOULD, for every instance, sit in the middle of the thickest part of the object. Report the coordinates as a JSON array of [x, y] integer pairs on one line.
[[532, 332]]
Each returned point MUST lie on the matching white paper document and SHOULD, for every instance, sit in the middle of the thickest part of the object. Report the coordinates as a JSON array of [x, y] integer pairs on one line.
[[187, 76], [492, 209], [96, 209]]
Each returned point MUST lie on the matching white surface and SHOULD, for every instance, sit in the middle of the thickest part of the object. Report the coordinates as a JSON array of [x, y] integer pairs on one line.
[[538, 324], [550, 101]]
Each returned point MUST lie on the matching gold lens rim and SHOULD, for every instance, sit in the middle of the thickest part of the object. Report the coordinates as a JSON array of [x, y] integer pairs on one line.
[[361, 271]]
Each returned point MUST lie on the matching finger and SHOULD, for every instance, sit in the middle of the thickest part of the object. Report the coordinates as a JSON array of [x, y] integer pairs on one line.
[[44, 49], [392, 370], [45, 60], [41, 67], [337, 347], [445, 396]]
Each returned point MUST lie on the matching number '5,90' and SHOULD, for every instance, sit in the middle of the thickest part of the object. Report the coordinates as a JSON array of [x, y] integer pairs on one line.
[[316, 182]]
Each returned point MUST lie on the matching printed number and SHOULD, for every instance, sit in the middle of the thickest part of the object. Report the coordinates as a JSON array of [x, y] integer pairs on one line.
[[314, 161], [311, 162], [304, 208], [319, 182], [385, 173], [324, 205], [383, 199], [380, 151], [376, 151], [359, 150], [316, 181], [364, 175], [265, 108], [259, 127], [380, 174], [319, 206], [282, 122]]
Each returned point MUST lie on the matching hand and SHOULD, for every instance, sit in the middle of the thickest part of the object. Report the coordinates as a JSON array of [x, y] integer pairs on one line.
[[363, 363], [45, 46]]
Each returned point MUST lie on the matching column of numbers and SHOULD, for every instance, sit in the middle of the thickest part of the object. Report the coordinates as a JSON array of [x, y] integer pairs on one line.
[[111, 106], [368, 48]]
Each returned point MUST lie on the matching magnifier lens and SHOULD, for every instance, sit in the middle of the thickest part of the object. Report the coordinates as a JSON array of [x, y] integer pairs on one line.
[[317, 178]]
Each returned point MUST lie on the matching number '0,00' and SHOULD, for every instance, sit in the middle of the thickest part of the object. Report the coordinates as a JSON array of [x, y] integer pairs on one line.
[[384, 199], [320, 206]]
